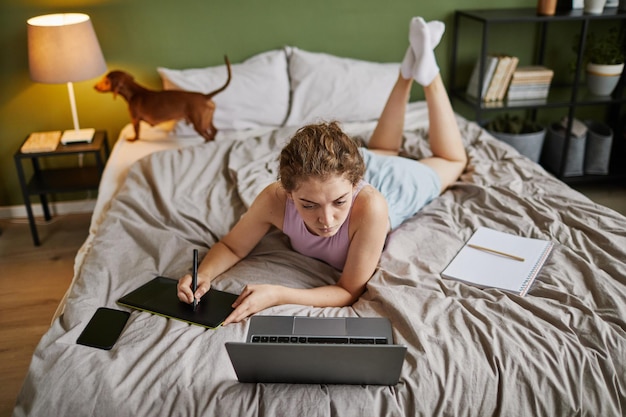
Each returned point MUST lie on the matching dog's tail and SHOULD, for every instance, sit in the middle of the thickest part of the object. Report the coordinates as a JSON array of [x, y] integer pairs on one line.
[[222, 88]]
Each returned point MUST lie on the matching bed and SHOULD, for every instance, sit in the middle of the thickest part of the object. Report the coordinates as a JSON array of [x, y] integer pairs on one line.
[[559, 350]]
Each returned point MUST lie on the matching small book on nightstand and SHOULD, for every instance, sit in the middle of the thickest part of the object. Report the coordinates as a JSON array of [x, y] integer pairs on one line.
[[497, 259], [41, 142]]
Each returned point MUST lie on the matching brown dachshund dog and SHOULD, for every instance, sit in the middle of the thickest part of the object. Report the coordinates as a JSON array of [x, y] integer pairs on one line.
[[156, 107]]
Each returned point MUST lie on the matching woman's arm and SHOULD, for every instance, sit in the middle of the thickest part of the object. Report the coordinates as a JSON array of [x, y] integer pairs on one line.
[[264, 212], [369, 225]]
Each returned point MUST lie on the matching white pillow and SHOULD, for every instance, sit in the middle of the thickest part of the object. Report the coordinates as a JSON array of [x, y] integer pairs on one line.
[[326, 87], [258, 94]]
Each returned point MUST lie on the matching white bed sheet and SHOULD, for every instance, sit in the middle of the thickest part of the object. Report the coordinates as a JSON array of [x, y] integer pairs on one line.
[[471, 351], [162, 137]]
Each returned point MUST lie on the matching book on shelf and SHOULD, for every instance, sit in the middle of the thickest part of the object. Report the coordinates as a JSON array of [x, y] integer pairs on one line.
[[516, 98], [532, 73], [491, 61], [41, 142], [534, 80], [527, 102], [495, 259], [507, 78], [530, 82], [528, 91], [500, 77], [498, 72]]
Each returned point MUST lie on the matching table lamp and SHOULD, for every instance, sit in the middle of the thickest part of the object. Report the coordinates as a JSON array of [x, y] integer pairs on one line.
[[63, 48]]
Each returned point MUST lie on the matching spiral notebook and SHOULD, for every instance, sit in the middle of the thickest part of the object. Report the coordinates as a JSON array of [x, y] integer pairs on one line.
[[491, 258]]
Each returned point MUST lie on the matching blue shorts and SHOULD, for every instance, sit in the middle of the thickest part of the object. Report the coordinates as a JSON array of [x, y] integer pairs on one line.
[[407, 184]]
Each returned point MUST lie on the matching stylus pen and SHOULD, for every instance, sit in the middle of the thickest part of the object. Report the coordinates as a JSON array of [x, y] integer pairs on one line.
[[194, 278]]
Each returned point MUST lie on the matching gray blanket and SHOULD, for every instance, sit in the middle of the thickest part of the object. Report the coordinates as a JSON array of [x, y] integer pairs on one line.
[[471, 352]]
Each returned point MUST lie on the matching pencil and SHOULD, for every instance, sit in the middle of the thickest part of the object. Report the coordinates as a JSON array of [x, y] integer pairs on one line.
[[194, 278], [496, 252]]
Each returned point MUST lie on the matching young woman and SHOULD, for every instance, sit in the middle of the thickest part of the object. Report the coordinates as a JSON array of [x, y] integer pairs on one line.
[[337, 202]]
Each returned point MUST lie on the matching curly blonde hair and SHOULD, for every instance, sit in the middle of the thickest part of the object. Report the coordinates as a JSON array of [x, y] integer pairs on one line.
[[319, 151]]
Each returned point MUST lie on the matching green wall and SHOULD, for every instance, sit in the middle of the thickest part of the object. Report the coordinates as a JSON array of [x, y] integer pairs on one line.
[[140, 35]]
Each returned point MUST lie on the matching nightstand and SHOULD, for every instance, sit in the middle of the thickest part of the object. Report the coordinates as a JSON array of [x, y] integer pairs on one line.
[[60, 180]]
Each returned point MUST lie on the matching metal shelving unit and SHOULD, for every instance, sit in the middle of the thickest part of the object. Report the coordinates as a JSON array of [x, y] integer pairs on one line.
[[569, 97]]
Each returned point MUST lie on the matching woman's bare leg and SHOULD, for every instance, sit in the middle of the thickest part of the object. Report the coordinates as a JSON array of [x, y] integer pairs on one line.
[[423, 38], [444, 137], [449, 157], [387, 136]]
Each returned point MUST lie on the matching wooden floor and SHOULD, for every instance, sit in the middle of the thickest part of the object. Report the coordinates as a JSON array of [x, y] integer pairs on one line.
[[612, 195], [34, 279], [32, 282]]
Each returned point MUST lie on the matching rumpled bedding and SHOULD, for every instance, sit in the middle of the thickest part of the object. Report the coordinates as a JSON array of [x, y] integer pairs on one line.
[[558, 351]]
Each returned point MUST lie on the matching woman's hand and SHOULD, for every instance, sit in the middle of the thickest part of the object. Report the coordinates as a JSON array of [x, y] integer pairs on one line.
[[253, 299], [184, 288]]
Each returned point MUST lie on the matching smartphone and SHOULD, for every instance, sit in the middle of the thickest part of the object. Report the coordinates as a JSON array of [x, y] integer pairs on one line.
[[104, 328]]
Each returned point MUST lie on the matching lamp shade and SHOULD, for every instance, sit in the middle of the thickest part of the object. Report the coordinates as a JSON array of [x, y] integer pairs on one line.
[[63, 48]]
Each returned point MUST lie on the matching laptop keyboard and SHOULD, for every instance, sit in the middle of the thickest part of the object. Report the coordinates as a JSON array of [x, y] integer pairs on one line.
[[320, 340]]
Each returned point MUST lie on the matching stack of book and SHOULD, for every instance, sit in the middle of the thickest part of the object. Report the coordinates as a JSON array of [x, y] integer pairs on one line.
[[530, 83], [41, 142], [497, 74]]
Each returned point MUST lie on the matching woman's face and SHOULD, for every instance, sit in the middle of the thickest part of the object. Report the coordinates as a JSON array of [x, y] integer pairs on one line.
[[323, 204]]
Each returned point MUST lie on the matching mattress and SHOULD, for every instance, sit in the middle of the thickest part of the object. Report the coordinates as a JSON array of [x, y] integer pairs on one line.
[[471, 351]]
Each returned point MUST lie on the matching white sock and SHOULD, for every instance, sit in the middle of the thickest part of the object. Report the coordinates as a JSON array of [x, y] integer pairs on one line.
[[406, 68], [419, 61], [436, 29]]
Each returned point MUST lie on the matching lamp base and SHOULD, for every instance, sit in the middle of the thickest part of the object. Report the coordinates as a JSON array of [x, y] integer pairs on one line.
[[77, 136]]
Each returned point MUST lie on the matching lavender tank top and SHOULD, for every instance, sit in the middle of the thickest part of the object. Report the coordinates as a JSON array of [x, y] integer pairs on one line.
[[332, 250]]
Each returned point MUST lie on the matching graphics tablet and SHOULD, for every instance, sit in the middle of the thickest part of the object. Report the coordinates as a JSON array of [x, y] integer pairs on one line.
[[159, 297]]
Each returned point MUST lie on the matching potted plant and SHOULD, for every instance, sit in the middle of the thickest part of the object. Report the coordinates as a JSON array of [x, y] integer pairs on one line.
[[604, 59], [524, 135]]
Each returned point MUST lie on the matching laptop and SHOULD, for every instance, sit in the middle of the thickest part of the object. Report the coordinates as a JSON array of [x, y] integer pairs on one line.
[[318, 350]]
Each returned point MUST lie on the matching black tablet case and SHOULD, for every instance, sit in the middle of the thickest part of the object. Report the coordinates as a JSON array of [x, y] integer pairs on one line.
[[159, 297]]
